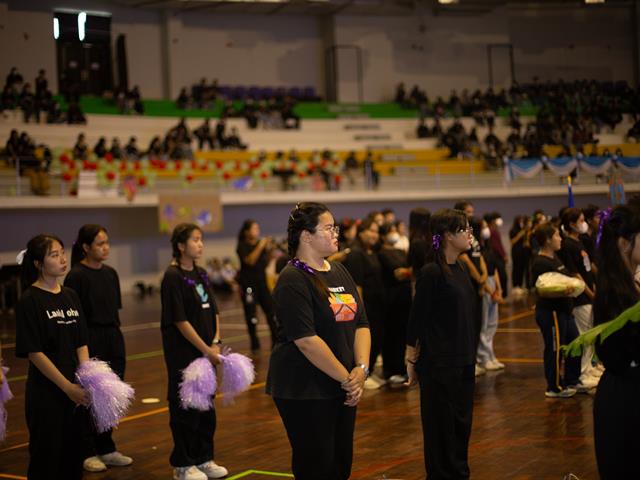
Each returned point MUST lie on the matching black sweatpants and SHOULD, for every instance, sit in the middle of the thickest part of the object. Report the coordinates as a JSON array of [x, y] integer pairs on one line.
[[321, 436], [106, 343], [446, 407], [57, 433], [261, 296], [558, 328], [520, 272], [616, 423], [192, 432], [395, 334]]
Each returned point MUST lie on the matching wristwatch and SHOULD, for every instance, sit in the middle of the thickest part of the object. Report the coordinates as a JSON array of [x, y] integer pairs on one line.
[[217, 342], [365, 369]]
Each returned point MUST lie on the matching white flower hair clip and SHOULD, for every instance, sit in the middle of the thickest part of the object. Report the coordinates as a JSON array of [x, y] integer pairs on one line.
[[20, 256]]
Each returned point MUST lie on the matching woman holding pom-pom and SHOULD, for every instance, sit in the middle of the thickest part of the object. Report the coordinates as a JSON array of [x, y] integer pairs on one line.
[[320, 361], [190, 330], [51, 333], [98, 287]]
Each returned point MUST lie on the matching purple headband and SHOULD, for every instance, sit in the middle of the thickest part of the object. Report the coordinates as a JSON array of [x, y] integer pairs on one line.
[[435, 241], [604, 215], [300, 265]]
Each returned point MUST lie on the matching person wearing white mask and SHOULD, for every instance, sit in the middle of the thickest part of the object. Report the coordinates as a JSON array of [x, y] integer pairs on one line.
[[576, 259], [396, 277]]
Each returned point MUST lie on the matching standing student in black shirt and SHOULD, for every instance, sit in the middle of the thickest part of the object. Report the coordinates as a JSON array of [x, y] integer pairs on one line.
[[578, 262], [51, 333], [319, 365], [190, 330], [396, 278], [616, 406], [364, 266], [254, 253], [441, 348], [553, 316], [98, 287]]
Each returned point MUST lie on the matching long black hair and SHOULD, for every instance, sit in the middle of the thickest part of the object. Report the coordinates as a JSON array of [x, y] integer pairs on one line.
[[304, 217], [363, 227], [615, 287], [244, 228], [86, 235], [442, 222], [181, 234], [419, 219], [37, 249]]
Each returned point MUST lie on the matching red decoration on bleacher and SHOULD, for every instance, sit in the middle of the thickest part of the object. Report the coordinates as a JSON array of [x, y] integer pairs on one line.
[[178, 165], [194, 165], [264, 175], [218, 164], [64, 158], [142, 181], [189, 178], [137, 166], [67, 177], [108, 157], [226, 175], [111, 176]]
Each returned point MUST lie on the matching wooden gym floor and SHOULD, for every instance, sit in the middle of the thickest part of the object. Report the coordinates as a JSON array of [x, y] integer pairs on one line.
[[517, 432]]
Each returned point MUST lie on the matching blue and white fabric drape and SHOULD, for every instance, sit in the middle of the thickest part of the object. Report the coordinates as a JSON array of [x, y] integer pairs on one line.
[[563, 166]]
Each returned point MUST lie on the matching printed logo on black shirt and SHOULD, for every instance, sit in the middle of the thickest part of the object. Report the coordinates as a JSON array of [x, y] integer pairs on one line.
[[60, 315], [344, 306], [204, 296]]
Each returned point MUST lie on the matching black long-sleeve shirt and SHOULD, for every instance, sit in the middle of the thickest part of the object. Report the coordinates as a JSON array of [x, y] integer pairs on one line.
[[442, 318]]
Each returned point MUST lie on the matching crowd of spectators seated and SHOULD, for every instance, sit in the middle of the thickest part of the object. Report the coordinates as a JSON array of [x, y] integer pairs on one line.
[[568, 114], [129, 101], [39, 104], [261, 108]]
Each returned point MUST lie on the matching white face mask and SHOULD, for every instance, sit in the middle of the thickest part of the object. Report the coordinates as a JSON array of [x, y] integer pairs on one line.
[[393, 238], [485, 233], [499, 222], [582, 228]]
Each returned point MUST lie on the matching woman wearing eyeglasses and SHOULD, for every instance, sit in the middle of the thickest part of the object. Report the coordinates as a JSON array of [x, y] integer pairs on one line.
[[364, 266], [321, 358], [441, 348]]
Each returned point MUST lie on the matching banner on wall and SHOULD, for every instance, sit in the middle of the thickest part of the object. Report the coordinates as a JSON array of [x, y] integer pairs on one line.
[[205, 210], [563, 166]]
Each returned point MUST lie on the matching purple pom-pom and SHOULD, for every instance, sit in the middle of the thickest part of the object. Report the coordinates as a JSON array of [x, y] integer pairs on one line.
[[198, 385], [5, 396], [109, 397], [238, 374]]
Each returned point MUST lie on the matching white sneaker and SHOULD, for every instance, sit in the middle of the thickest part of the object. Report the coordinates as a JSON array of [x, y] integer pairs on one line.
[[212, 470], [493, 365], [371, 384], [94, 464], [480, 370], [397, 379], [587, 383], [188, 473], [564, 393], [116, 459]]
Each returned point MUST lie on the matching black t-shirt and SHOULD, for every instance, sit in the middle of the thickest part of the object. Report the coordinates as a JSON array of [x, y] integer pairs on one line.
[[576, 259], [99, 292], [543, 264], [442, 318], [301, 311], [250, 275], [54, 324], [390, 260], [366, 271], [589, 245], [186, 296]]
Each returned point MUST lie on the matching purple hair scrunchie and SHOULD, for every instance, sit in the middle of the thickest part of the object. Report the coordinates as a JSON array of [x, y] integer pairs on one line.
[[605, 216], [436, 240]]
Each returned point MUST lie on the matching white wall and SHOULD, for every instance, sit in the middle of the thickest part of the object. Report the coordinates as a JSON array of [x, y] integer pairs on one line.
[[246, 50], [439, 53]]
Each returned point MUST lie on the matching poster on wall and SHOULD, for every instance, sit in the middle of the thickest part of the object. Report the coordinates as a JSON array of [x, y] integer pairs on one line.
[[205, 210]]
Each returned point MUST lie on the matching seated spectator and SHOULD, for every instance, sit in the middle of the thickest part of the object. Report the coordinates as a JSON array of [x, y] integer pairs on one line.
[[289, 118], [135, 100], [100, 149], [633, 134], [183, 101], [28, 104], [351, 166], [116, 149], [14, 79], [41, 83], [422, 131], [221, 133], [75, 115], [249, 112], [155, 149], [131, 149], [233, 141], [80, 149], [12, 147], [204, 135], [222, 275], [401, 94]]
